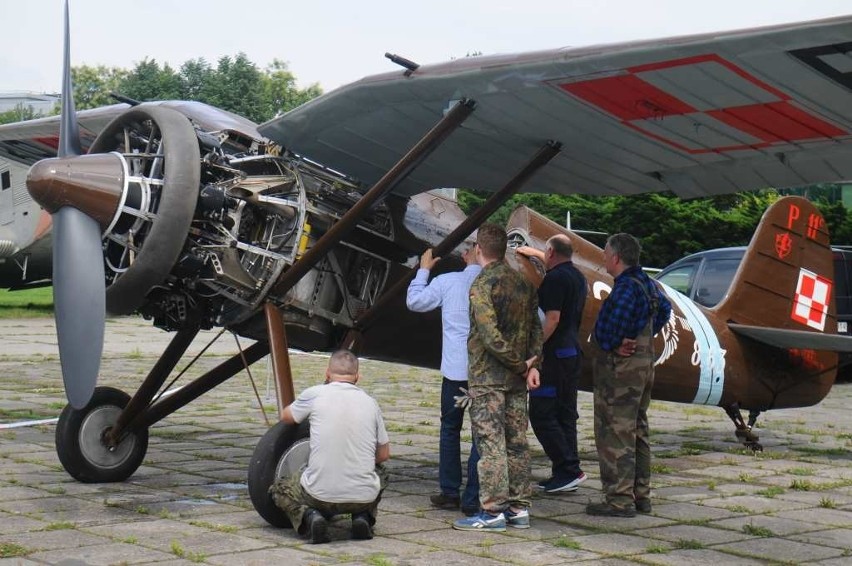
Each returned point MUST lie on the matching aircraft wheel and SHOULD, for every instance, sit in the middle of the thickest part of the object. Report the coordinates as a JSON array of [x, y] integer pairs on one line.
[[282, 452], [79, 440], [163, 160]]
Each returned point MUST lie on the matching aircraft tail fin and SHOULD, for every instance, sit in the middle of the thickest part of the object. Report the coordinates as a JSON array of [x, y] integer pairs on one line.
[[786, 278]]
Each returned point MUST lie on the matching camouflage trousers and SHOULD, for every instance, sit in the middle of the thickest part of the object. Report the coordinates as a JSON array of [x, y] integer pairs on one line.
[[622, 393], [499, 421], [291, 497]]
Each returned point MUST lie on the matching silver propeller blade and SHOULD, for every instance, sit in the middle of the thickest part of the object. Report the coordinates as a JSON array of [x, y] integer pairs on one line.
[[78, 268], [79, 301]]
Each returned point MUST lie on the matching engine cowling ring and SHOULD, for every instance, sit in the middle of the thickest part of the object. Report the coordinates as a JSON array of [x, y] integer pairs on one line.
[[170, 213]]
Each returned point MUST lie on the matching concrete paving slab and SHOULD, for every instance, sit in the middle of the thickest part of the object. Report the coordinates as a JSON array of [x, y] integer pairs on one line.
[[188, 503], [698, 557], [840, 538], [780, 550]]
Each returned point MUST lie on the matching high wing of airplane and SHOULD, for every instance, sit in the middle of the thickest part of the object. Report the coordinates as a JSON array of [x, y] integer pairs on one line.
[[304, 231]]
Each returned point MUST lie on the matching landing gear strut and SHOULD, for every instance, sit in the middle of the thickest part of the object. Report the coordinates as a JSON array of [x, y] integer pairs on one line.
[[743, 432]]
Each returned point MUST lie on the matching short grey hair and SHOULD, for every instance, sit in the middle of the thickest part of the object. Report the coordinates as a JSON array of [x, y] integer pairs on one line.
[[343, 362], [626, 247]]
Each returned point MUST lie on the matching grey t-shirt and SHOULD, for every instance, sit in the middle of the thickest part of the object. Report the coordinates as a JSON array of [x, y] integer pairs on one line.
[[346, 427]]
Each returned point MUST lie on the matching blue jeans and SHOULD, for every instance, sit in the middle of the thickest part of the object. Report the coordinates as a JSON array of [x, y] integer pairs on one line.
[[449, 456]]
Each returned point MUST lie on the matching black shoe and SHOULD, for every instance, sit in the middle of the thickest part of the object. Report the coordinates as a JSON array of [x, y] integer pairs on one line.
[[565, 484], [542, 484], [609, 510], [470, 510], [316, 527], [643, 506], [442, 501], [361, 528]]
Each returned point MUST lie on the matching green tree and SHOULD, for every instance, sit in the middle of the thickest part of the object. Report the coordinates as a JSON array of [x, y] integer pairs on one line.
[[92, 85], [148, 81], [280, 93], [19, 113], [194, 75], [237, 86]]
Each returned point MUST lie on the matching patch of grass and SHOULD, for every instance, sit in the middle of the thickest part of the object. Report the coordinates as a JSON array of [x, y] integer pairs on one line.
[[26, 303], [711, 485], [25, 414], [821, 451], [661, 469], [827, 503], [565, 542], [757, 531], [378, 560], [130, 540], [11, 550], [214, 526], [746, 478], [142, 510], [738, 509], [696, 522], [703, 411], [177, 549], [656, 549], [802, 485], [801, 471], [688, 544], [770, 491], [60, 526]]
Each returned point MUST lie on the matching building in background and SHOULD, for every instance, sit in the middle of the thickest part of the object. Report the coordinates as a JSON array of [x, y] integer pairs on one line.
[[29, 104]]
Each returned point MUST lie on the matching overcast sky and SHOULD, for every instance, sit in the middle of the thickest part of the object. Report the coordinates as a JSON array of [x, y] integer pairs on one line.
[[332, 42]]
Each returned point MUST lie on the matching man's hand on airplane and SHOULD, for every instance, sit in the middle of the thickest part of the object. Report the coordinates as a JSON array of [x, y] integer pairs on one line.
[[530, 252], [427, 261]]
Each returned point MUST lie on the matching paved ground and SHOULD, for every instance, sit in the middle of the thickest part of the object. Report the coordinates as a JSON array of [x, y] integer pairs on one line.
[[713, 503]]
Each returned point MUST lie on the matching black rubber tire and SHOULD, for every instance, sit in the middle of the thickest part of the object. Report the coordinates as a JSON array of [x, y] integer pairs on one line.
[[78, 444], [181, 178], [263, 467]]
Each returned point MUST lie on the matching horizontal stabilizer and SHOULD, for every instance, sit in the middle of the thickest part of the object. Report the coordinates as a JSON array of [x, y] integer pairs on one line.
[[801, 339]]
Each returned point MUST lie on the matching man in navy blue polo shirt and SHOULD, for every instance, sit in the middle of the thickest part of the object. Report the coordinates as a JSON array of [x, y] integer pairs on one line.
[[553, 406]]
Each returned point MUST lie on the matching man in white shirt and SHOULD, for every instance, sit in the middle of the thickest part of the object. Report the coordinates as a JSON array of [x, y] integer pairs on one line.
[[348, 443], [450, 292]]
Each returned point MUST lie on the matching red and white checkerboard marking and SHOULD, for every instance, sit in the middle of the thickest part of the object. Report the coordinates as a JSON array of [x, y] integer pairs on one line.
[[810, 305]]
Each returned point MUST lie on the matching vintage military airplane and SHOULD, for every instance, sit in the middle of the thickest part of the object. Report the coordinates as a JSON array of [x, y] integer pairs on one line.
[[197, 218]]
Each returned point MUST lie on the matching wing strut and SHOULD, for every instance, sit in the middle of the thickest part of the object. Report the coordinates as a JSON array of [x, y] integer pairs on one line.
[[415, 156], [542, 157]]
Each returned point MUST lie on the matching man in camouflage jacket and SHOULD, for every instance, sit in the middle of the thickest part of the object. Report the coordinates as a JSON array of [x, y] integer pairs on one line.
[[505, 341]]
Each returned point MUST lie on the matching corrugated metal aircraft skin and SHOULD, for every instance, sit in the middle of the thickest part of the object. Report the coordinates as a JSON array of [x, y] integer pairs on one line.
[[700, 115]]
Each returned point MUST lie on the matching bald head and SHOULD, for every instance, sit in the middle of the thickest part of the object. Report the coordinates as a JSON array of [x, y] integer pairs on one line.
[[342, 366], [561, 246]]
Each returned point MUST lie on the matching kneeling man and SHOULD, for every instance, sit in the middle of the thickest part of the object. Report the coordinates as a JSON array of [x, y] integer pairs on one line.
[[348, 444]]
